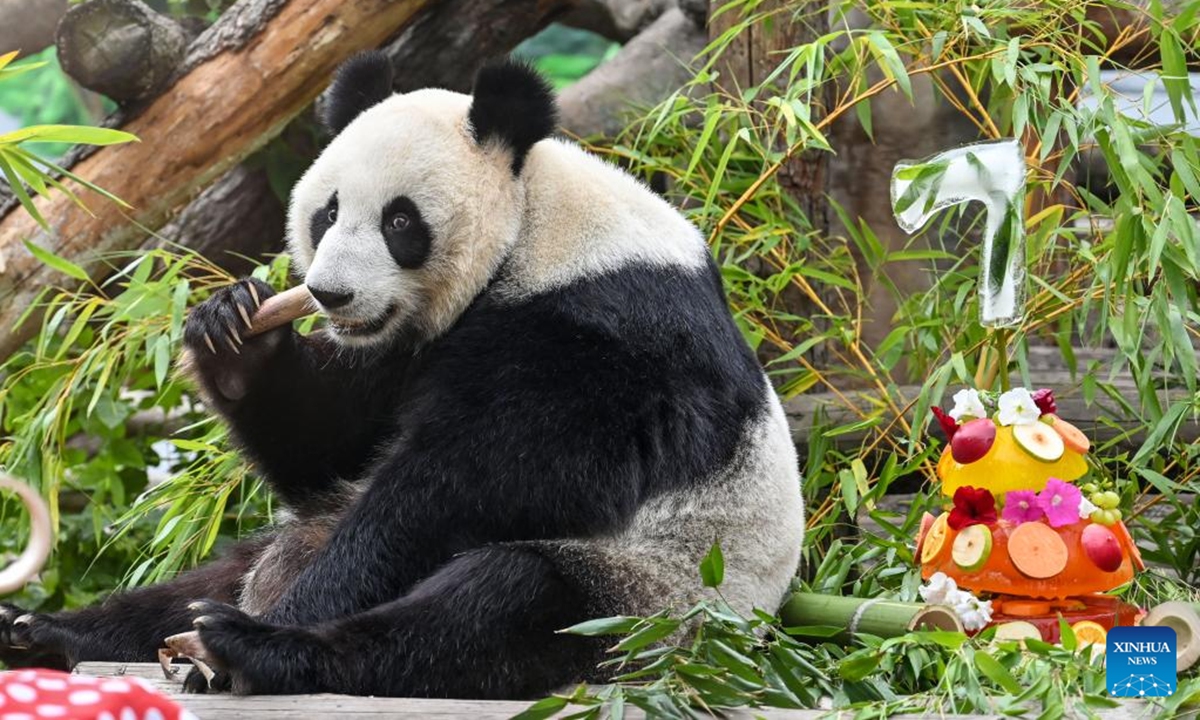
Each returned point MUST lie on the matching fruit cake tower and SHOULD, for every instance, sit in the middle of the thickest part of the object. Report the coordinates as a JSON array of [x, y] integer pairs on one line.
[[1019, 528]]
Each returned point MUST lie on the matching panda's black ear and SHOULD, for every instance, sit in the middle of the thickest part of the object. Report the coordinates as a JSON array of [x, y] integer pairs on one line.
[[512, 105], [361, 82]]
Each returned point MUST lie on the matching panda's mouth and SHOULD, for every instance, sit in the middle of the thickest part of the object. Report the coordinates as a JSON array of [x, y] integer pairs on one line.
[[363, 328]]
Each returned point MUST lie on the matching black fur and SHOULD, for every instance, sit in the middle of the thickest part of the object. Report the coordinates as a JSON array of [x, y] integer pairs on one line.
[[410, 244], [548, 419], [361, 82], [512, 104], [323, 219]]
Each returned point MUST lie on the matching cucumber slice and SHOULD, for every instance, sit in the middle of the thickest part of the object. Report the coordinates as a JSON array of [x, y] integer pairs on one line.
[[972, 547], [1040, 441]]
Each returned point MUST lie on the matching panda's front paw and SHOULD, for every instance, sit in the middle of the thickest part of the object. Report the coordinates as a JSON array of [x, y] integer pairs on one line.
[[226, 358], [252, 657], [34, 640]]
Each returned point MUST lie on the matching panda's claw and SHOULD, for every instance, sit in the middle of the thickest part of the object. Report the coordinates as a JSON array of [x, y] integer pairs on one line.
[[245, 315], [233, 346], [233, 335], [257, 300], [208, 341]]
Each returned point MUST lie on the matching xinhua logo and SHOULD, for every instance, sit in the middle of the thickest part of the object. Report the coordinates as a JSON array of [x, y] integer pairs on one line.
[[1140, 661]]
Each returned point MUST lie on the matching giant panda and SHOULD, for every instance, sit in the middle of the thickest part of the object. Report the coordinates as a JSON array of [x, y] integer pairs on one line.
[[530, 407]]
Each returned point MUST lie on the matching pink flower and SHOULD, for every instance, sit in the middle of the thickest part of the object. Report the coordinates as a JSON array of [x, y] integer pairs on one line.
[[1060, 502], [1021, 506]]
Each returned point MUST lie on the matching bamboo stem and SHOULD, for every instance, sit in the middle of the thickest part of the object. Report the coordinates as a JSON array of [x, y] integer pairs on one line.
[[281, 309], [1184, 619], [804, 613]]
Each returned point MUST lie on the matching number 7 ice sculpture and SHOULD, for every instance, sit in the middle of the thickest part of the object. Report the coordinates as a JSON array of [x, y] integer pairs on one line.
[[994, 174]]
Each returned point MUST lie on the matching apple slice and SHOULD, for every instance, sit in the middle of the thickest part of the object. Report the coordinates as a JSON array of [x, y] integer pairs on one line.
[[973, 440], [1102, 547], [972, 547], [1037, 550], [934, 539], [1018, 630], [1040, 441], [1071, 436]]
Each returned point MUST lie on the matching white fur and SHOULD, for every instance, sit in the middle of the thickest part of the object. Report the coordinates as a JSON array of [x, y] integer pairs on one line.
[[417, 145], [585, 217]]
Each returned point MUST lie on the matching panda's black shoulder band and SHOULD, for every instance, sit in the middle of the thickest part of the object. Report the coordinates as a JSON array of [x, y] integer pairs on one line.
[[361, 82], [512, 105]]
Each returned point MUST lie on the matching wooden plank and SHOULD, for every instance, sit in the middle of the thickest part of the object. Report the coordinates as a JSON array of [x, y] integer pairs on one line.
[[1101, 421], [293, 707]]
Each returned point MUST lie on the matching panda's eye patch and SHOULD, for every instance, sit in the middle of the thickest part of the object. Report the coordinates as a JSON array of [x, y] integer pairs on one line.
[[407, 236], [323, 219]]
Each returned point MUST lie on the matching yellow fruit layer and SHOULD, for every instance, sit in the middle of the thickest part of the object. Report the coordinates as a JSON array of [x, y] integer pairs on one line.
[[1007, 467]]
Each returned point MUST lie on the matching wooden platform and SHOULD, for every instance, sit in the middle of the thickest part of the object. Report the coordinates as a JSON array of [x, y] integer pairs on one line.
[[294, 707]]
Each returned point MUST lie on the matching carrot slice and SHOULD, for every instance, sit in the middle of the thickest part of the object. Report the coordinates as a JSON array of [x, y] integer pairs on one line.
[[1026, 608], [1037, 550], [1071, 436], [935, 539]]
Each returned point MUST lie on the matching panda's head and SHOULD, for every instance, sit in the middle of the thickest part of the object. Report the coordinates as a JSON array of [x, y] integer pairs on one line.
[[408, 212]]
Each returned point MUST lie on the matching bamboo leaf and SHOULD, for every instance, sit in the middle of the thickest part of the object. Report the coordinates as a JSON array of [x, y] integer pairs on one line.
[[60, 264]]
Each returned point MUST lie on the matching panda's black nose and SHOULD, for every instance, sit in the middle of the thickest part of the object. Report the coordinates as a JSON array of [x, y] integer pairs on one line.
[[331, 299]]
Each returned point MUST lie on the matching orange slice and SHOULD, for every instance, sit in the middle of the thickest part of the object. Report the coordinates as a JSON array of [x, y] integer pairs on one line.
[[1071, 436], [1037, 550], [926, 523], [1026, 608], [935, 539], [1088, 632]]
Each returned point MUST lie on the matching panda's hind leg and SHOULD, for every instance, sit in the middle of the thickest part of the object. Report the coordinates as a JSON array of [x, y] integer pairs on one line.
[[483, 626]]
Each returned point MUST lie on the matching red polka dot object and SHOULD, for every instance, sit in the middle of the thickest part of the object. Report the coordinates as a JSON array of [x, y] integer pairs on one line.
[[36, 694]]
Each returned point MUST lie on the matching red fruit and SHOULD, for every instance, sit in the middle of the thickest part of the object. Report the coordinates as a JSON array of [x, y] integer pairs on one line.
[[1102, 547], [1044, 399], [973, 440], [949, 424]]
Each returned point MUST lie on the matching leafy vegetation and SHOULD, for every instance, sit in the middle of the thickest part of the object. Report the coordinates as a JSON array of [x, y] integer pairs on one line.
[[93, 413]]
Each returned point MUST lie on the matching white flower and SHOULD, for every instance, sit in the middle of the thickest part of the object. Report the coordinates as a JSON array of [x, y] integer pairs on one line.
[[1086, 508], [940, 590], [975, 615], [1018, 408], [967, 402]]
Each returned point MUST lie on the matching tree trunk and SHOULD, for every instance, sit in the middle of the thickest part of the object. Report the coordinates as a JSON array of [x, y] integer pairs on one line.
[[747, 61], [28, 25], [260, 65]]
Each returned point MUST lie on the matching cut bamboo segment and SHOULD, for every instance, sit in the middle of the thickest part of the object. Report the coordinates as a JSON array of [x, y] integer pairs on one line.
[[1184, 619], [281, 309], [804, 613]]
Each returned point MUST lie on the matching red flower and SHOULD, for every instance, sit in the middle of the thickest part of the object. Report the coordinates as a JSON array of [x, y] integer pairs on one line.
[[949, 424], [1044, 399], [972, 506]]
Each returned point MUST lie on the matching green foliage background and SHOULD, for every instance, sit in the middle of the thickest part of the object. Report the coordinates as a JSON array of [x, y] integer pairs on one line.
[[77, 406]]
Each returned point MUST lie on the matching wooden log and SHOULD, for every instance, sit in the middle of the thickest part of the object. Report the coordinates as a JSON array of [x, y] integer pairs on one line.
[[120, 48], [261, 64], [28, 25]]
